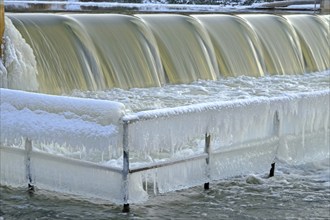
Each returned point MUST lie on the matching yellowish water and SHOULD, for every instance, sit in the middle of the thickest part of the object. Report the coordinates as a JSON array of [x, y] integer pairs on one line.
[[316, 58], [280, 44], [125, 50], [186, 49], [236, 45], [103, 51]]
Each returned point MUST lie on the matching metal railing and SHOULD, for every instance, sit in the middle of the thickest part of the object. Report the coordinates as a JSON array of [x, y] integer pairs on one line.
[[274, 116], [274, 110]]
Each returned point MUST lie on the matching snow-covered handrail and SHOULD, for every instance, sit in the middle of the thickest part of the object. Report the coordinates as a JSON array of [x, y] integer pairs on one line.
[[195, 108], [182, 147], [274, 127]]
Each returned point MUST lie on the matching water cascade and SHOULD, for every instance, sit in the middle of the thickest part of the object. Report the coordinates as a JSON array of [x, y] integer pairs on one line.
[[185, 48], [236, 45], [280, 44], [316, 58], [230, 96], [98, 52]]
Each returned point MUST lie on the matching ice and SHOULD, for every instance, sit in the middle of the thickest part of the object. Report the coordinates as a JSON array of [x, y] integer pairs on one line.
[[102, 112], [85, 180], [18, 69], [59, 123], [181, 176], [232, 122], [246, 137]]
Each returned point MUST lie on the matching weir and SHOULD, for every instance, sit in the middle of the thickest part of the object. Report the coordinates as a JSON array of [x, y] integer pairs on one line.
[[99, 52], [268, 76]]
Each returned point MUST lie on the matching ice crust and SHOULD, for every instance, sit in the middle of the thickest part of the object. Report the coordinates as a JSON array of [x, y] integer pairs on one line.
[[59, 122], [232, 122], [18, 70], [246, 137]]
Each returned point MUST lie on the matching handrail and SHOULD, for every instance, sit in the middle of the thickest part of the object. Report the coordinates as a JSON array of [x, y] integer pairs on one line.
[[168, 163], [195, 108], [276, 110], [135, 118]]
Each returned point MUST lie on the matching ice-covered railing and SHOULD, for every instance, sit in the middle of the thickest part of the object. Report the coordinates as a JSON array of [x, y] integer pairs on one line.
[[66, 120], [241, 137], [42, 134], [165, 149]]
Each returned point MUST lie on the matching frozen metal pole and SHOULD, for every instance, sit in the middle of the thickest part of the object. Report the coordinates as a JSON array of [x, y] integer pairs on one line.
[[28, 149], [277, 132], [125, 166], [207, 150], [2, 24]]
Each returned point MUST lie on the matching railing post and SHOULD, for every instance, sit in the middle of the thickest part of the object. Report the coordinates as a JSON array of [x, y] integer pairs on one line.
[[207, 150], [28, 149], [125, 167], [277, 131]]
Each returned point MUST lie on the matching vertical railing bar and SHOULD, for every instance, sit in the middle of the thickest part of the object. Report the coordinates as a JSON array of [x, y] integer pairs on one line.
[[125, 166], [207, 151], [277, 129], [28, 149]]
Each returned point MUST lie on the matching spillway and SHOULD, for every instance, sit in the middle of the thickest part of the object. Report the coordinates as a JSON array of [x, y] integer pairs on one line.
[[113, 106], [99, 52]]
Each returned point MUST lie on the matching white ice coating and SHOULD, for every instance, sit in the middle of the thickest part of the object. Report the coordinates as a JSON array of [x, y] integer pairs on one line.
[[246, 136], [231, 123], [18, 70], [57, 120]]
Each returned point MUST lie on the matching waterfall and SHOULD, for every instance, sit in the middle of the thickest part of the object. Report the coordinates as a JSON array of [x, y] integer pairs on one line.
[[104, 51]]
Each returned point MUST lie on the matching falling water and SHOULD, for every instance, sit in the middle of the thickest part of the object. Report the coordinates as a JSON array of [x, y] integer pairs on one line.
[[104, 51]]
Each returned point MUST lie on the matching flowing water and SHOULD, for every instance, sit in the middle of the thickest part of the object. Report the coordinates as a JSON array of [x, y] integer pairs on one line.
[[108, 56], [92, 52], [299, 192]]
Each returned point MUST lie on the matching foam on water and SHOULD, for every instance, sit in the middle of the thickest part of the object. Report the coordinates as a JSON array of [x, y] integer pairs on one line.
[[202, 91]]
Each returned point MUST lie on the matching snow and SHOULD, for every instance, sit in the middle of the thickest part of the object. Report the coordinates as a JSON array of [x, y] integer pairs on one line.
[[58, 124], [246, 136], [161, 6], [231, 122], [147, 6]]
